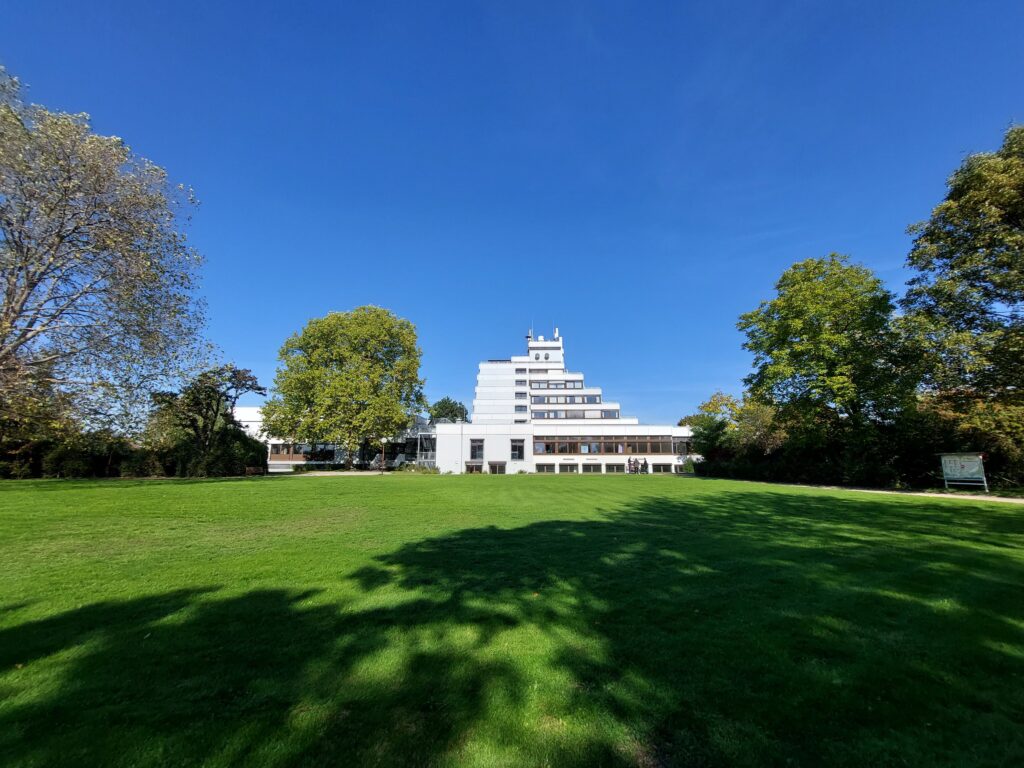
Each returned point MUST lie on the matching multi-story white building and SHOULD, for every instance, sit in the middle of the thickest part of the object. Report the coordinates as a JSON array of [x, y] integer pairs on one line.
[[530, 414]]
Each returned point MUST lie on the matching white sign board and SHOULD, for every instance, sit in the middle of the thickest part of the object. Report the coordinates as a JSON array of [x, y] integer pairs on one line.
[[963, 469]]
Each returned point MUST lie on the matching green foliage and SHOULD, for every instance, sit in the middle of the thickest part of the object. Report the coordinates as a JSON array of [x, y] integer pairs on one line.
[[967, 299], [824, 347], [347, 378], [198, 425], [99, 296], [447, 408]]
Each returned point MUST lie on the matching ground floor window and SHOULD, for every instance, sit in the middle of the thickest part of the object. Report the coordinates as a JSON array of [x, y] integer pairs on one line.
[[518, 450], [570, 469], [681, 469], [496, 467], [592, 468], [546, 468], [615, 468], [661, 468], [474, 468]]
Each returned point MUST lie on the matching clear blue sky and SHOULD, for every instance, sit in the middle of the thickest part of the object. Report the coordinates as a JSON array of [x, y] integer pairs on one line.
[[637, 173]]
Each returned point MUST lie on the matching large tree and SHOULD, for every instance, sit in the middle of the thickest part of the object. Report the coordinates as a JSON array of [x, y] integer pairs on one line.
[[825, 349], [97, 279], [347, 378], [203, 412], [967, 299], [448, 408]]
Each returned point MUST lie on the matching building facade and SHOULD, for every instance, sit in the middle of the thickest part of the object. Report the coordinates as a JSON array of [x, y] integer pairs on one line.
[[530, 414]]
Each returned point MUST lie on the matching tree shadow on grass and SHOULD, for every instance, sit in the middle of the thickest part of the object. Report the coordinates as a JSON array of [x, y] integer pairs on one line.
[[737, 628]]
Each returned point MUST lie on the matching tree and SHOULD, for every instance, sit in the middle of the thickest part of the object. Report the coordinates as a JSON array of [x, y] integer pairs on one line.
[[347, 378], [204, 410], [97, 278], [967, 299], [825, 349], [447, 408]]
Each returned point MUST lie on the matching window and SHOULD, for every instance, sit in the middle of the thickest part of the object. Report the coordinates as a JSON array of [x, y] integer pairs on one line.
[[519, 421], [613, 469], [521, 409], [568, 469], [681, 446], [275, 448], [520, 382], [546, 468], [593, 469], [476, 450], [520, 370], [496, 467], [660, 469], [474, 468], [520, 395], [609, 414], [575, 414], [591, 399], [518, 450], [682, 469], [540, 414]]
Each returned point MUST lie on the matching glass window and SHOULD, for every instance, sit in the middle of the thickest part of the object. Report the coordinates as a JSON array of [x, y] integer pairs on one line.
[[615, 468], [575, 414], [545, 468], [568, 469], [519, 421], [521, 409], [474, 469], [518, 450], [520, 395], [661, 468], [275, 448], [592, 468], [609, 414], [520, 382], [520, 370], [496, 467], [476, 450]]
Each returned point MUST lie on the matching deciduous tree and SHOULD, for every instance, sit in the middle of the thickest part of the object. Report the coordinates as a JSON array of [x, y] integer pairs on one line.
[[347, 378], [447, 408], [97, 279]]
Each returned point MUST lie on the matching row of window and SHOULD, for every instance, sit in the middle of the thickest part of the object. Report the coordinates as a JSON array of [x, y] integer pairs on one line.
[[592, 445], [556, 385], [586, 445], [562, 399], [572, 414], [611, 469], [498, 468], [540, 370]]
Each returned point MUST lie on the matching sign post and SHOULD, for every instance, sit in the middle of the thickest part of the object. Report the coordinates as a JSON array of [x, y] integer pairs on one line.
[[963, 469]]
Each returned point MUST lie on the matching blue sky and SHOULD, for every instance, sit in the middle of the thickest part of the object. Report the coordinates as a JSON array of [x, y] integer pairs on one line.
[[637, 173]]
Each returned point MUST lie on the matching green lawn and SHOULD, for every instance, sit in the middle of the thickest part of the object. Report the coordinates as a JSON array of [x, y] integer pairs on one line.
[[517, 620]]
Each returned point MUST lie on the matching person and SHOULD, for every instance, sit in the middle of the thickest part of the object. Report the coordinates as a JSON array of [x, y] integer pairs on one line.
[[643, 470]]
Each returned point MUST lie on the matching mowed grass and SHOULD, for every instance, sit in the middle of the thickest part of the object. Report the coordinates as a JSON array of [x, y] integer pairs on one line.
[[497, 621]]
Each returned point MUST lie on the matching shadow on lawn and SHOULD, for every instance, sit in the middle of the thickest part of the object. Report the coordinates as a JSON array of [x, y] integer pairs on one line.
[[738, 628]]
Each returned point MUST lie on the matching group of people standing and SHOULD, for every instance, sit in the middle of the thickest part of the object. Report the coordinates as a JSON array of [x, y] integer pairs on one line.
[[636, 467]]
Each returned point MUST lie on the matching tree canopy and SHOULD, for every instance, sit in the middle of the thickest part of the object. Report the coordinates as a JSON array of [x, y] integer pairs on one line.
[[968, 295], [825, 346], [98, 282], [347, 378], [448, 408]]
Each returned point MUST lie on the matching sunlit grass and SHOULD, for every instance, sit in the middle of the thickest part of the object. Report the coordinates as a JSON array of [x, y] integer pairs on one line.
[[506, 621]]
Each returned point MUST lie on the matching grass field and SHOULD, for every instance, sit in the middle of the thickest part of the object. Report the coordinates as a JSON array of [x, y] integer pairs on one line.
[[519, 620]]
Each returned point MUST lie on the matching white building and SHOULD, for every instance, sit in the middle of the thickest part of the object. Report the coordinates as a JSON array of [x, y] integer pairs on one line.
[[530, 414]]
